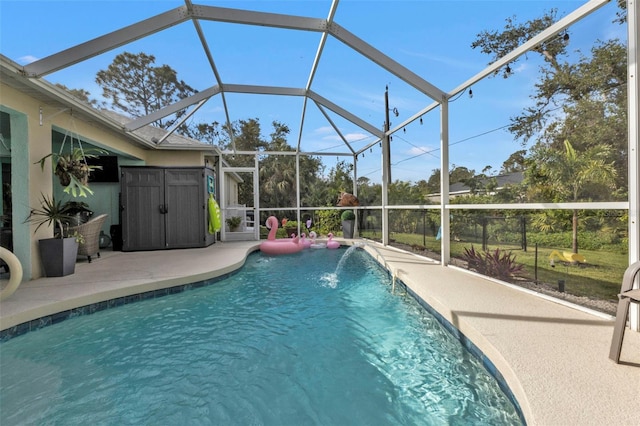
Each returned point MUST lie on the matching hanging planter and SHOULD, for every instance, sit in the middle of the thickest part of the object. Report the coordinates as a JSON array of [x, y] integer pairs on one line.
[[72, 168]]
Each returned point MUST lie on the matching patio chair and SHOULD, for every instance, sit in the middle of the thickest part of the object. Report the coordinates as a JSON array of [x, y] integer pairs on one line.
[[91, 233], [627, 295]]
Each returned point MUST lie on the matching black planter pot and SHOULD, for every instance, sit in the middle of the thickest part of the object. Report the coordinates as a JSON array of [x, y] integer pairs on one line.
[[347, 228], [58, 256]]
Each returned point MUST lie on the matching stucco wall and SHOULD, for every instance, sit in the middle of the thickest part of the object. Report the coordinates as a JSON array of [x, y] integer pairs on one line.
[[32, 122]]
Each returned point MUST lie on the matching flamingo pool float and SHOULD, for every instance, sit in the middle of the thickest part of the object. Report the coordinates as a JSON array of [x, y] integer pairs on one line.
[[279, 246], [315, 245], [332, 244], [304, 242]]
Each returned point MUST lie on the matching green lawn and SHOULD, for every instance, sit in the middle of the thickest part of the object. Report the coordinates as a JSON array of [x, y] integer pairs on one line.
[[599, 278]]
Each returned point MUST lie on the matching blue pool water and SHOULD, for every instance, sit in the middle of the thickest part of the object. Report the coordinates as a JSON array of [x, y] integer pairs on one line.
[[288, 340]]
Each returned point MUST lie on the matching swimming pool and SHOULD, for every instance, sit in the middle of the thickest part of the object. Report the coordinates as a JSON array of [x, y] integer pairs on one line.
[[286, 340]]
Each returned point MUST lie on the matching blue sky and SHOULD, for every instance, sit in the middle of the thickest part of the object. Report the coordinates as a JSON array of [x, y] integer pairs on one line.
[[431, 38]]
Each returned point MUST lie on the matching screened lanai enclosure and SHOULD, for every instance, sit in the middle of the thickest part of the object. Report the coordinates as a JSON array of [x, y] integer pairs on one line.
[[498, 136]]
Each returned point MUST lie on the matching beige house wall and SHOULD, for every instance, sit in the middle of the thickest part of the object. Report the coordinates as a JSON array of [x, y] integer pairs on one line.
[[32, 181]]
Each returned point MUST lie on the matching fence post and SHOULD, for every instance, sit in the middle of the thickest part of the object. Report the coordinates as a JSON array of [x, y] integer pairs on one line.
[[535, 266]]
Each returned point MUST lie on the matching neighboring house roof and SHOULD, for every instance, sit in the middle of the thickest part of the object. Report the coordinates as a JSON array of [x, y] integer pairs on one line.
[[503, 180]]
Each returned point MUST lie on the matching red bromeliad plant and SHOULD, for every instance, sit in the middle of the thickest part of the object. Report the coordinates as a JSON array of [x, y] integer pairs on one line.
[[498, 264]]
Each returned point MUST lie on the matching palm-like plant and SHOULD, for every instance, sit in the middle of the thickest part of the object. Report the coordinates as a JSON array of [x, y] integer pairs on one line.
[[568, 173], [51, 213]]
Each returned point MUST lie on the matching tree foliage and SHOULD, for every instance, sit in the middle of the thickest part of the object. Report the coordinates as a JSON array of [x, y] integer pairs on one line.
[[572, 176], [133, 85], [80, 94], [590, 92]]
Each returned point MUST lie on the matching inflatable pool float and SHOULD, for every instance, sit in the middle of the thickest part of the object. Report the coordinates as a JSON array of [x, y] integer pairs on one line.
[[304, 242], [315, 245], [279, 246], [332, 244]]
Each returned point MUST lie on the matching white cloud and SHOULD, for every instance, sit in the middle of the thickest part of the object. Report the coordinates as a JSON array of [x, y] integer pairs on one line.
[[352, 137], [27, 59], [420, 150], [324, 130]]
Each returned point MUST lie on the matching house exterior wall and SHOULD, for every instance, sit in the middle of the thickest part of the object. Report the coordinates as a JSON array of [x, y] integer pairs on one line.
[[31, 140], [174, 158]]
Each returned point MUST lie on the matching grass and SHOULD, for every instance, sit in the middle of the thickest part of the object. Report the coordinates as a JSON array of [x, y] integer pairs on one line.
[[599, 278]]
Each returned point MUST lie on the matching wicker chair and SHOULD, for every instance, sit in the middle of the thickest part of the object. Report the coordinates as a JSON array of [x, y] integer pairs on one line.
[[90, 231]]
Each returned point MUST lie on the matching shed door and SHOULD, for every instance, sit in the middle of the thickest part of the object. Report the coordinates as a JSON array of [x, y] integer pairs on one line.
[[185, 208], [143, 222]]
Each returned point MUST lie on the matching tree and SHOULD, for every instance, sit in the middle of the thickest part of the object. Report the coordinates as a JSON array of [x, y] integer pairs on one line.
[[515, 162], [278, 172], [460, 174], [207, 133], [80, 94], [136, 87], [591, 92], [568, 175]]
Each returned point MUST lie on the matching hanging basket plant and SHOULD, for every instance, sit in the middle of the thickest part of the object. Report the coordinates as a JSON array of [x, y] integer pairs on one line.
[[72, 168]]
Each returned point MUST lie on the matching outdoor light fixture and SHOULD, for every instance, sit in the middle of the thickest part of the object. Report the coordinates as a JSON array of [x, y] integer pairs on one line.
[[470, 93], [404, 129], [508, 69], [421, 121]]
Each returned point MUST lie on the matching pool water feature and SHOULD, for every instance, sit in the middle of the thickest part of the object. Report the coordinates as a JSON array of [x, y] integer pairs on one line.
[[287, 340]]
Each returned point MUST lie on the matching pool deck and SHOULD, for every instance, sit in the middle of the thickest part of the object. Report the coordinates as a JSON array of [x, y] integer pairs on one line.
[[554, 356]]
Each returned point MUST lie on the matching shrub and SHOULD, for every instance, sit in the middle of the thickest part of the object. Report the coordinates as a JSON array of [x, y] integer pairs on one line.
[[348, 215], [498, 263]]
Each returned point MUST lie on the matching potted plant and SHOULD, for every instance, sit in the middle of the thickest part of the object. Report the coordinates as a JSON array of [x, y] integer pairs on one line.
[[348, 219], [72, 169], [234, 222], [291, 227], [58, 254]]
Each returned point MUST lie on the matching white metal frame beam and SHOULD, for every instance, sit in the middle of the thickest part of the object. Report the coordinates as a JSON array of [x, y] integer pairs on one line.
[[633, 91], [386, 62], [552, 31], [263, 19], [105, 43], [345, 114], [172, 109]]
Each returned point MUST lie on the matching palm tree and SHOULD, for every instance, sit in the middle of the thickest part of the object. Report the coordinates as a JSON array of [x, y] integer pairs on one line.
[[567, 174]]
